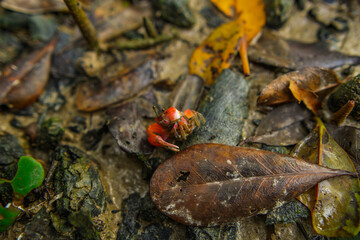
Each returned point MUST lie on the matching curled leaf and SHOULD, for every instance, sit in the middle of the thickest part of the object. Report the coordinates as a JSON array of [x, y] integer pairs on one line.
[[304, 85], [209, 184]]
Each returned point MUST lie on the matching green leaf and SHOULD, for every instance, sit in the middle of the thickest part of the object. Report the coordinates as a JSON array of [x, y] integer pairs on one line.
[[335, 203], [7, 217], [30, 175]]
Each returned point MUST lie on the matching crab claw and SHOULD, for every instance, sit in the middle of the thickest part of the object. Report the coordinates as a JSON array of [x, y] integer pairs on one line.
[[157, 141], [157, 135]]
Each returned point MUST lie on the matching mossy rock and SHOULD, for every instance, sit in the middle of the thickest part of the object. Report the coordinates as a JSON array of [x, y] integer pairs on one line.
[[346, 92], [83, 194], [50, 133], [176, 12]]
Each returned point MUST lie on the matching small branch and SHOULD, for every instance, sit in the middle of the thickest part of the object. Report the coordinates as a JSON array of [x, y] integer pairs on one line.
[[84, 23], [150, 28], [138, 43]]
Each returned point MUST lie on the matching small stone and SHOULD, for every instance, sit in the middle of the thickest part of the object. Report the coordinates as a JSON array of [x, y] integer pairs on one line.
[[176, 12], [10, 149], [141, 220], [42, 28], [277, 12], [50, 133]]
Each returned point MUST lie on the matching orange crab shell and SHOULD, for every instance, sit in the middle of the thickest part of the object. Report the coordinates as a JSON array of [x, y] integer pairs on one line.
[[169, 116]]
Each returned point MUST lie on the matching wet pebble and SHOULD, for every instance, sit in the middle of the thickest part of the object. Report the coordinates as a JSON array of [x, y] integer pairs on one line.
[[277, 12], [141, 220], [176, 12], [50, 133]]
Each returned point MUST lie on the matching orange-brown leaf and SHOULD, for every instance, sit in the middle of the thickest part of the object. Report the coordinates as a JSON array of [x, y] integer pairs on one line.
[[312, 80], [309, 98]]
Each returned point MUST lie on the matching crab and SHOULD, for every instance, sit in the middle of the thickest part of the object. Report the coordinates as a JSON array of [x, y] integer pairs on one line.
[[172, 122]]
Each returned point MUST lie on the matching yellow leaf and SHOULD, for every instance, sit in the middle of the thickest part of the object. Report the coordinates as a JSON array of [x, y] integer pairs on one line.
[[217, 51], [226, 6]]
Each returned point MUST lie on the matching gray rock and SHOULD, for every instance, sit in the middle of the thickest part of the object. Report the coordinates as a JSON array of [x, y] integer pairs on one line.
[[176, 12], [225, 109]]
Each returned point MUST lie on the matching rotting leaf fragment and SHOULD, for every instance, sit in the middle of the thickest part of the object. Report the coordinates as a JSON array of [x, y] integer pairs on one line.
[[210, 184]]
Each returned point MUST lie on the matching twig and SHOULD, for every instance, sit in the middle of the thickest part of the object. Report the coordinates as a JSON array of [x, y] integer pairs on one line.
[[150, 28], [138, 43], [84, 23]]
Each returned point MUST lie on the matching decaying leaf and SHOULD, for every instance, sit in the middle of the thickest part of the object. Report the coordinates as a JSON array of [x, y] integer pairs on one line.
[[304, 85], [282, 126], [34, 6], [23, 82], [114, 24], [209, 184], [187, 92], [275, 51], [94, 97], [349, 139], [217, 51], [127, 127], [335, 202]]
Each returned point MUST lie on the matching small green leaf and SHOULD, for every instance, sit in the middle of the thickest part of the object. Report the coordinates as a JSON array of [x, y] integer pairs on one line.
[[30, 175], [7, 217]]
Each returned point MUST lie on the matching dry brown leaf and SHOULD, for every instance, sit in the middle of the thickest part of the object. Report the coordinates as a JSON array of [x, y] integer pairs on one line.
[[305, 85], [24, 80], [209, 184]]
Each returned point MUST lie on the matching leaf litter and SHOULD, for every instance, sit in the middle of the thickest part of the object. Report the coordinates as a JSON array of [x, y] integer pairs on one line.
[[104, 94]]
